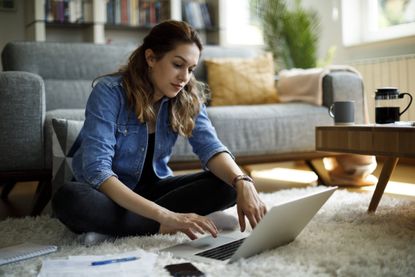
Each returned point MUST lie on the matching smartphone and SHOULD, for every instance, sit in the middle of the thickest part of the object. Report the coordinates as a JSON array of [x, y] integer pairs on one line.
[[183, 270]]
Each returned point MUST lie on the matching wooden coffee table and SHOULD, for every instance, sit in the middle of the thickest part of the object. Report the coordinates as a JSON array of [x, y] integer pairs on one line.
[[389, 141]]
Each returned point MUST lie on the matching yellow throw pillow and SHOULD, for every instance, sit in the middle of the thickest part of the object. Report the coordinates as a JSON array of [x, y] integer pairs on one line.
[[241, 81]]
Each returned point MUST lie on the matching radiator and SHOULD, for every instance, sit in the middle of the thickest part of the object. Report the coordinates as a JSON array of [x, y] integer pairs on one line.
[[397, 71]]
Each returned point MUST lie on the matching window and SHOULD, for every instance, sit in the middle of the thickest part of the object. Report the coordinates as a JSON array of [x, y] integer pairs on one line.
[[376, 20], [394, 12], [240, 26]]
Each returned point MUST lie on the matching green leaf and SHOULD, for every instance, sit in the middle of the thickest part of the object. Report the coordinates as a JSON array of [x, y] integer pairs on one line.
[[291, 35]]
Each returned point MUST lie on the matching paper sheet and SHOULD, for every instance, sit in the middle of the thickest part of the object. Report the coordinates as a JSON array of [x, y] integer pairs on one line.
[[81, 265]]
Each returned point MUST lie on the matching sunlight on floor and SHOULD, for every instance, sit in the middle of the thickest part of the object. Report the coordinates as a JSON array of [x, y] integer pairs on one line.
[[280, 178], [287, 174], [277, 178], [396, 188]]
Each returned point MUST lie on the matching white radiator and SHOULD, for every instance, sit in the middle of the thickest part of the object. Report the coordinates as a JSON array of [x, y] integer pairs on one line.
[[397, 71]]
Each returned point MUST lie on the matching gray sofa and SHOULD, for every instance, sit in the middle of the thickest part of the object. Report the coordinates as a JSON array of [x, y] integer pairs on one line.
[[45, 80]]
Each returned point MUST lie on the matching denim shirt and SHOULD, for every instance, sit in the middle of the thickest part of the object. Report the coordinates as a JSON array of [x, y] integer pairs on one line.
[[113, 142]]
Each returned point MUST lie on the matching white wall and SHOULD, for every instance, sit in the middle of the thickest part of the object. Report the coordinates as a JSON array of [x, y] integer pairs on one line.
[[331, 35], [12, 25]]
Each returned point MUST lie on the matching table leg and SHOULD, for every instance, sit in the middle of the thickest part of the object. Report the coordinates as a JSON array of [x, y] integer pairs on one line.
[[385, 174], [322, 179]]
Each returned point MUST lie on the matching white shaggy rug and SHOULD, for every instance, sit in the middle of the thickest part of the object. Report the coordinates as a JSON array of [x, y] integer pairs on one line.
[[341, 240]]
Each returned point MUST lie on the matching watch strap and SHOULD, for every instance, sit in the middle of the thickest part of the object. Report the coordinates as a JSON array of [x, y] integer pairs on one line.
[[241, 177]]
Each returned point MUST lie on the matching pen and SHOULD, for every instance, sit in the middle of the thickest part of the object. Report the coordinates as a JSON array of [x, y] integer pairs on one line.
[[119, 260]]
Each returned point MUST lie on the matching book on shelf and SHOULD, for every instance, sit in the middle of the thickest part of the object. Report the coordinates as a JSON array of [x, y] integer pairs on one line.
[[134, 12], [196, 13], [68, 11], [24, 251], [206, 15]]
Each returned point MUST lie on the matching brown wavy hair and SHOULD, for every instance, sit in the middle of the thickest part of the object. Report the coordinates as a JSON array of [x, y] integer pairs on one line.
[[184, 107]]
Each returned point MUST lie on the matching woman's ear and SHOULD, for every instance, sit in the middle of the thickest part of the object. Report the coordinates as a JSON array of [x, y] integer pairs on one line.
[[150, 57]]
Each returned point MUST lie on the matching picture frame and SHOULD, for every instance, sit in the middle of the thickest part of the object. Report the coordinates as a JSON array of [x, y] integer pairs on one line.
[[8, 5]]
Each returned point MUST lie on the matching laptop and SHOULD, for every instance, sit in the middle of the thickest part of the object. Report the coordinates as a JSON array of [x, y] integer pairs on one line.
[[280, 226]]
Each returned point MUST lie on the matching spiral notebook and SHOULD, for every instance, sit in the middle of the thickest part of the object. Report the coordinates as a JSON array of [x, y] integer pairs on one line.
[[24, 251]]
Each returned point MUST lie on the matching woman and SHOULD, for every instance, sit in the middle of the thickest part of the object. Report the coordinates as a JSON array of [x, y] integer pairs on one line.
[[132, 120]]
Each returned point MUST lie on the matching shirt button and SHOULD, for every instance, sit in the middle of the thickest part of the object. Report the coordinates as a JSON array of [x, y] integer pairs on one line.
[[142, 149]]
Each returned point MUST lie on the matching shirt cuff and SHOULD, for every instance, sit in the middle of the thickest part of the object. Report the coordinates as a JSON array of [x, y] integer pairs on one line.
[[212, 153], [100, 178]]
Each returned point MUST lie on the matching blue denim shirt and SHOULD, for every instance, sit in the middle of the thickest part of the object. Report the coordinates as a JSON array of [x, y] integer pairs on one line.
[[114, 143]]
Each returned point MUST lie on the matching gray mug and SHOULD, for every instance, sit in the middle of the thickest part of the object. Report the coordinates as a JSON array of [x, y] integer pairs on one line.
[[342, 112]]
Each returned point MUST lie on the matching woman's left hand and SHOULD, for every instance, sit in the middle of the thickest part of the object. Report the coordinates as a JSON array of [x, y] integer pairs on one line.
[[249, 204]]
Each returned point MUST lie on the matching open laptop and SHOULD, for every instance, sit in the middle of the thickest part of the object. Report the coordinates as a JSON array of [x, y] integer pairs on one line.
[[280, 226]]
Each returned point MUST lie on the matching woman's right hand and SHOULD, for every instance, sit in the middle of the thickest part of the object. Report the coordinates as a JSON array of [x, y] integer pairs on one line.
[[188, 223], [170, 222]]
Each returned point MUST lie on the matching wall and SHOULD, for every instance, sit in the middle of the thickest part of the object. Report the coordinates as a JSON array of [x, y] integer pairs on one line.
[[12, 25]]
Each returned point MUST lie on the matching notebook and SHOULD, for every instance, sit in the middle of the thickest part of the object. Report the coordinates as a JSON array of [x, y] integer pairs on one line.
[[24, 251], [280, 226]]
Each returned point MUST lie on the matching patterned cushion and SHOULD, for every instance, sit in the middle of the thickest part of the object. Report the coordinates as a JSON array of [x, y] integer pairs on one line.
[[241, 81], [65, 133]]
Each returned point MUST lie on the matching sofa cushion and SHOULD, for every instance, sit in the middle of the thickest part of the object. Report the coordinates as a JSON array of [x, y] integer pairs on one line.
[[266, 129], [246, 130], [68, 94], [236, 81], [64, 137], [67, 68]]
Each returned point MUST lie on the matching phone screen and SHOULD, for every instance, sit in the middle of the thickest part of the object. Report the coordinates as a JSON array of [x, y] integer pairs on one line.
[[183, 269]]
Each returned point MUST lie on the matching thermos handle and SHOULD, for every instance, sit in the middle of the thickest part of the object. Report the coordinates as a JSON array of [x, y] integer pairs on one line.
[[409, 104], [331, 110]]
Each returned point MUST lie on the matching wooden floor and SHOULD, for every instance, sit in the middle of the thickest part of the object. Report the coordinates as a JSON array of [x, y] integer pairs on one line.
[[402, 184]]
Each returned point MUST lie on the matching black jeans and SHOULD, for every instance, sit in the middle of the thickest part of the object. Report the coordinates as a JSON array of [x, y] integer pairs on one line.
[[84, 209]]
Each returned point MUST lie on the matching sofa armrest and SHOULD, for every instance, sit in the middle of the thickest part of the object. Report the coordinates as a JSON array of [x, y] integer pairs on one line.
[[345, 85], [22, 112]]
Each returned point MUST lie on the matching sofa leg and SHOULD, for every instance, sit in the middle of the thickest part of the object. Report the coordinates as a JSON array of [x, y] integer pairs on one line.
[[42, 197], [322, 179], [7, 188]]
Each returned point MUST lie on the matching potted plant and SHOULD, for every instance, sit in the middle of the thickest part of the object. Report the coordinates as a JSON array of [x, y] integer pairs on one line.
[[290, 34]]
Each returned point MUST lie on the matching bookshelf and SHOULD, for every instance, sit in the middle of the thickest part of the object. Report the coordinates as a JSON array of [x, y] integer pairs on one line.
[[116, 21]]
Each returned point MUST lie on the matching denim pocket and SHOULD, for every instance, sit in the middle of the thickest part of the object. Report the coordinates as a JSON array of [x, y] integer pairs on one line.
[[124, 130], [128, 138], [130, 147]]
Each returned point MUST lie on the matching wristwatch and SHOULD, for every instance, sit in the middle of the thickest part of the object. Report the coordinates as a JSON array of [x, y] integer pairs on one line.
[[241, 177]]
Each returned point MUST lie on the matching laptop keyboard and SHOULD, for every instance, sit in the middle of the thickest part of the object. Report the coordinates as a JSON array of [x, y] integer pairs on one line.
[[222, 252]]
